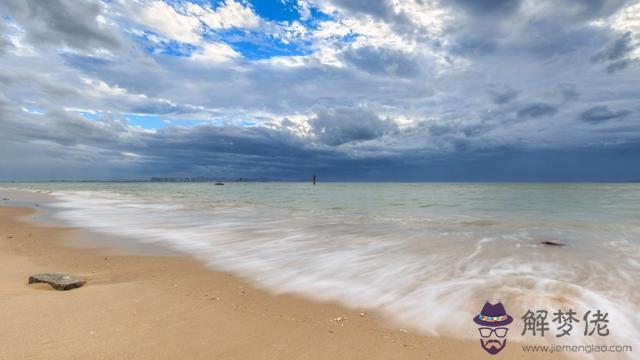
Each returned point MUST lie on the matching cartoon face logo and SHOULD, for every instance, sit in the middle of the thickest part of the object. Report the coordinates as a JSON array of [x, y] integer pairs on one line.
[[493, 320]]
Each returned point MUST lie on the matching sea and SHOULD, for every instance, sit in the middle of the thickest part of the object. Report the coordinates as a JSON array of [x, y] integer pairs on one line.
[[425, 255]]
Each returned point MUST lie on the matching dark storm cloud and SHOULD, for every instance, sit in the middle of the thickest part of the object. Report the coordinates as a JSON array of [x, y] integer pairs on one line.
[[599, 114], [342, 125], [201, 150], [248, 86], [502, 95], [480, 100], [619, 49], [106, 141], [548, 29], [616, 54], [568, 92], [59, 22], [381, 61], [61, 127], [537, 110], [512, 164], [208, 140], [71, 129], [481, 7], [384, 10], [617, 66], [587, 9], [106, 149], [456, 133], [381, 8]]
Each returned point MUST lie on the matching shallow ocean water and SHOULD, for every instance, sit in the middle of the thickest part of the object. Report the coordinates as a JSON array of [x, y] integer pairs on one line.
[[428, 255]]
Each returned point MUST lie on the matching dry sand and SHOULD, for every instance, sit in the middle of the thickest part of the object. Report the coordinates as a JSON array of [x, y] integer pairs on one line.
[[166, 307]]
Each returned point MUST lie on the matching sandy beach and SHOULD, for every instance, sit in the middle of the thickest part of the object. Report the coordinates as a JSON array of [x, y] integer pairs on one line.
[[162, 307], [319, 179]]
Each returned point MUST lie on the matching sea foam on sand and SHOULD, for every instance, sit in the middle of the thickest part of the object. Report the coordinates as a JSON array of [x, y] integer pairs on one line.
[[432, 273]]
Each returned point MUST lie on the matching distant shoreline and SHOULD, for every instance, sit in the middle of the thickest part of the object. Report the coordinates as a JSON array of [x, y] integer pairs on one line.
[[326, 181]]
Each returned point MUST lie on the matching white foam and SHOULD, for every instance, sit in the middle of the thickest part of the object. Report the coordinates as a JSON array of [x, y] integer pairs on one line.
[[420, 275]]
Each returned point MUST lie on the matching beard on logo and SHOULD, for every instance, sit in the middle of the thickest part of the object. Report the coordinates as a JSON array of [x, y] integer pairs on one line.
[[493, 346]]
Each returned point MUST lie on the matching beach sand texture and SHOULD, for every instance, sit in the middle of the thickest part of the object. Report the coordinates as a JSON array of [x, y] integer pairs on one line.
[[165, 307]]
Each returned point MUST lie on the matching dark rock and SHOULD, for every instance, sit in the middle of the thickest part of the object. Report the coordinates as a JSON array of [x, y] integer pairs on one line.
[[57, 281], [552, 243], [5, 199]]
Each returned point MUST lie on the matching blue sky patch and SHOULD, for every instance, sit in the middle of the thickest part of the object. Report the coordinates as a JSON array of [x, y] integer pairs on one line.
[[166, 46], [146, 121], [89, 115], [251, 44], [34, 110], [257, 50], [276, 10]]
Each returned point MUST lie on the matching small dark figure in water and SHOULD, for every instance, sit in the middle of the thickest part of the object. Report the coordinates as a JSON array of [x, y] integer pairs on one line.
[[314, 180], [552, 243]]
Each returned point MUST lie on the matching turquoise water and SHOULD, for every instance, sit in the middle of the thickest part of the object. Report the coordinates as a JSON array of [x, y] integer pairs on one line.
[[402, 248]]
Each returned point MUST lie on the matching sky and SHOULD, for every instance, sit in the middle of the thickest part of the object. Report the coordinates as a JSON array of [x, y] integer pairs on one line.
[[349, 90]]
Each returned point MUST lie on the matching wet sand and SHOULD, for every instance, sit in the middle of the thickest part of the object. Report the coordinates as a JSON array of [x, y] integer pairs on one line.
[[165, 307]]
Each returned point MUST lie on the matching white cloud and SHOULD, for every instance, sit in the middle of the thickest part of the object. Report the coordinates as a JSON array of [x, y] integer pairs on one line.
[[130, 154], [328, 39], [432, 110], [426, 15], [292, 31], [628, 20], [15, 37], [304, 8], [163, 18], [215, 52], [367, 31], [32, 111], [229, 15], [102, 88], [19, 47], [287, 61], [185, 24]]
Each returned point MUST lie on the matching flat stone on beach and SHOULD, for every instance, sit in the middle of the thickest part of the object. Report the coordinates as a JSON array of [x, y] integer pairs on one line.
[[57, 281]]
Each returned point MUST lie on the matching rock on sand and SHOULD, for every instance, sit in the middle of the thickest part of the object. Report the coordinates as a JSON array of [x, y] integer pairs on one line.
[[57, 281]]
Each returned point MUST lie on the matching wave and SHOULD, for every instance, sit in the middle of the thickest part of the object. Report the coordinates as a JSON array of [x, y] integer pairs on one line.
[[431, 276]]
